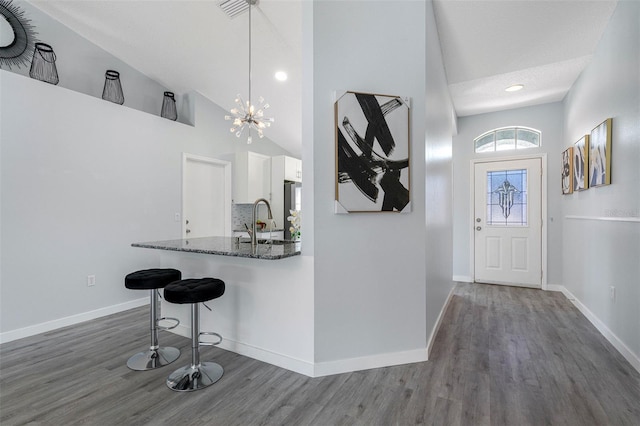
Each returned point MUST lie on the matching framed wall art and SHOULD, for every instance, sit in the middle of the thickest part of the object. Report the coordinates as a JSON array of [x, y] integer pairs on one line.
[[567, 171], [372, 153], [581, 164], [600, 154]]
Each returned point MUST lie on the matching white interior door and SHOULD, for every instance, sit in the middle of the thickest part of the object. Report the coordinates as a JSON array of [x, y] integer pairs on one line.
[[206, 197], [508, 222]]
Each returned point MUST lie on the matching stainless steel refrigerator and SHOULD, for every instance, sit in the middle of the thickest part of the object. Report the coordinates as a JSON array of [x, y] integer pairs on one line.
[[292, 201]]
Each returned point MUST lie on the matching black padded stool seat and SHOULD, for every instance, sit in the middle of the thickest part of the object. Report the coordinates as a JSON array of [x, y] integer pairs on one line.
[[148, 279], [197, 375], [151, 280], [194, 290]]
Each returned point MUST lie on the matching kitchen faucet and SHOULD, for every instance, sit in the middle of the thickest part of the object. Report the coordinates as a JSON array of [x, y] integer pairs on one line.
[[254, 240]]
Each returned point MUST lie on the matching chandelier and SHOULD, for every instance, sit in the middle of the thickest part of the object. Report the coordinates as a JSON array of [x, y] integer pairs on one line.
[[247, 115]]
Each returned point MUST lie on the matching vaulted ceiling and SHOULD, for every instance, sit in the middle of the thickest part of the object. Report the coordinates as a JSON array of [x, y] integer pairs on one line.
[[487, 45], [195, 45]]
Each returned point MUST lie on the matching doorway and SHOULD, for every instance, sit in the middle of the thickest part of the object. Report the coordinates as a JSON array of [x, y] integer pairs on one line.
[[508, 213], [206, 197]]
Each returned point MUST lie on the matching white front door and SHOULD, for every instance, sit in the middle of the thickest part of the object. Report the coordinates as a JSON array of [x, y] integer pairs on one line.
[[508, 222], [206, 197]]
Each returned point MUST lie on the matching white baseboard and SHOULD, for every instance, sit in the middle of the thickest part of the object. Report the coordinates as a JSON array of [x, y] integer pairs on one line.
[[633, 358], [462, 279], [274, 358], [316, 369], [367, 362], [553, 287], [44, 327], [436, 327]]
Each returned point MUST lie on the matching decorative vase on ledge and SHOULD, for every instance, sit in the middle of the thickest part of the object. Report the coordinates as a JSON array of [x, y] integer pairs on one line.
[[43, 64], [169, 107], [112, 91]]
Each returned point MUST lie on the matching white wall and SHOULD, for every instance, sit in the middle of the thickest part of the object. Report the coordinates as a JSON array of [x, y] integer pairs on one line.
[[370, 274], [267, 309], [548, 119], [438, 179], [603, 249], [91, 177], [82, 179]]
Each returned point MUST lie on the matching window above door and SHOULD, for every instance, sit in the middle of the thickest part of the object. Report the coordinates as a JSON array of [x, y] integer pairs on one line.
[[508, 139]]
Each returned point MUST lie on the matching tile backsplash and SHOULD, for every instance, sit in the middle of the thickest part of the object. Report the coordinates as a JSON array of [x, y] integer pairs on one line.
[[241, 214]]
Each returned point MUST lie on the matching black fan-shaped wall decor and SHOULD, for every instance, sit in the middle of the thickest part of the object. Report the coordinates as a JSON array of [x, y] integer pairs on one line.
[[20, 50]]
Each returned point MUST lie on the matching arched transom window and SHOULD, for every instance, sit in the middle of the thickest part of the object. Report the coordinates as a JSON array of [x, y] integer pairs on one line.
[[507, 139]]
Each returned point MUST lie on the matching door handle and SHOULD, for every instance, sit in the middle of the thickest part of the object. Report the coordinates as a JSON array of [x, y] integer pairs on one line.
[[478, 228], [189, 230]]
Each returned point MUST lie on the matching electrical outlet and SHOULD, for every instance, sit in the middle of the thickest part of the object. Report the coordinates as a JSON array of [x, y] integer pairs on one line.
[[91, 280], [176, 217], [612, 293]]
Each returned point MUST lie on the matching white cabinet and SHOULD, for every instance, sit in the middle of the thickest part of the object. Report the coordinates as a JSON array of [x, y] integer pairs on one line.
[[251, 177], [292, 169]]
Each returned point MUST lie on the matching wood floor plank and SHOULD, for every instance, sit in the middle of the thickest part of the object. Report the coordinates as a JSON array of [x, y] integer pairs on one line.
[[503, 356]]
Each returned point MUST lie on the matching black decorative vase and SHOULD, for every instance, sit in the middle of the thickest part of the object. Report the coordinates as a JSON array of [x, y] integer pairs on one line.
[[112, 91], [169, 106], [43, 64]]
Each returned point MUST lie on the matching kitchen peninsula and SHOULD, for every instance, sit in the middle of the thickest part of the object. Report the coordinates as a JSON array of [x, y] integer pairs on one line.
[[228, 246], [266, 312]]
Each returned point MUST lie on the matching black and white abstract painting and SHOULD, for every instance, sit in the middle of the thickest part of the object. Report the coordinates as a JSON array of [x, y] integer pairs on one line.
[[581, 164], [372, 153], [600, 154], [567, 171]]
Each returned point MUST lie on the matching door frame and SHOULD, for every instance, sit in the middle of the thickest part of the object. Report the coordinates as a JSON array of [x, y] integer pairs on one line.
[[227, 190], [543, 197]]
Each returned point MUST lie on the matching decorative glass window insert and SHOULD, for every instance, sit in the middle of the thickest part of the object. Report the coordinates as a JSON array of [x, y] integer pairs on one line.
[[486, 143], [507, 198], [507, 139]]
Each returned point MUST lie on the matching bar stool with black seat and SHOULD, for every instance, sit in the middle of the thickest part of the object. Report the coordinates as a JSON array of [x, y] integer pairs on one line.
[[152, 280], [198, 375]]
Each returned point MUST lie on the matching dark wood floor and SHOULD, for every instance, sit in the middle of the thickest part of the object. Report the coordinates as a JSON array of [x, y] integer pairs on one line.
[[504, 356]]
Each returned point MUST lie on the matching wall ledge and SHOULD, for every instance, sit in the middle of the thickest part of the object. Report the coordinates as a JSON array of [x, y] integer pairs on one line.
[[605, 218], [182, 120]]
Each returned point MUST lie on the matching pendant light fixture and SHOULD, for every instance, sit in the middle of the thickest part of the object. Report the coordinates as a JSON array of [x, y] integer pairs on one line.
[[247, 115]]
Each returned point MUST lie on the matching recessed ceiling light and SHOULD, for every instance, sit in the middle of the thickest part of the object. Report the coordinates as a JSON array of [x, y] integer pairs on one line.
[[281, 76], [514, 88]]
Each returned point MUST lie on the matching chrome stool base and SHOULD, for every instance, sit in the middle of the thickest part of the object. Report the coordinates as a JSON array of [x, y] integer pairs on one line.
[[191, 377], [153, 358]]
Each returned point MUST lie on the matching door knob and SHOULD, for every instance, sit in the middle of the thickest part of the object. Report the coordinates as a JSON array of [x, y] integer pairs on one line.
[[478, 228], [189, 230], [478, 220]]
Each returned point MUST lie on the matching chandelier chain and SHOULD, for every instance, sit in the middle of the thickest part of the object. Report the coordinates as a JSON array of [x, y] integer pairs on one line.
[[247, 115]]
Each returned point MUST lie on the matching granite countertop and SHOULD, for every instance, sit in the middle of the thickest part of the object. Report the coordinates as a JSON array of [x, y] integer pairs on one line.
[[228, 246]]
